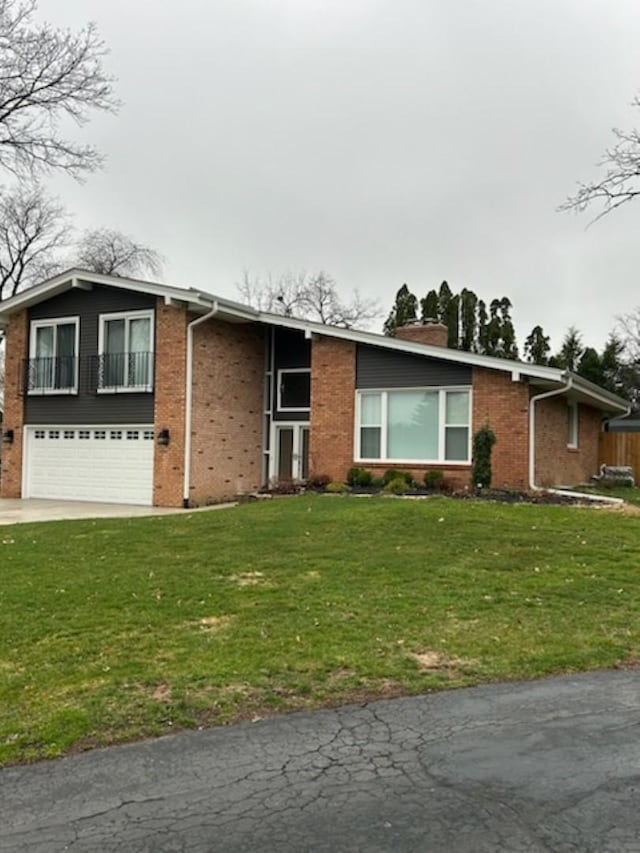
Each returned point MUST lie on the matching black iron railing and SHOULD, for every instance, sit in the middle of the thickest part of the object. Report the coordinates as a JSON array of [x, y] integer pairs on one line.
[[112, 372]]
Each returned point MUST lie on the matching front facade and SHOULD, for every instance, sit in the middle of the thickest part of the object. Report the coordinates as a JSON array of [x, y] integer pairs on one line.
[[130, 392]]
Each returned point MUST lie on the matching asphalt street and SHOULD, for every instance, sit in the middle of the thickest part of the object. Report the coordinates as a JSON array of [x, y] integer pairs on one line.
[[551, 765]]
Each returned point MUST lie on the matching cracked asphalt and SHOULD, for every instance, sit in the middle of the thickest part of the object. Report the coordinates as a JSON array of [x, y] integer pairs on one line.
[[551, 765]]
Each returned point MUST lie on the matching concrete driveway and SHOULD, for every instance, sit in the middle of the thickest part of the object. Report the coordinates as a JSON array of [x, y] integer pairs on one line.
[[550, 765], [23, 511]]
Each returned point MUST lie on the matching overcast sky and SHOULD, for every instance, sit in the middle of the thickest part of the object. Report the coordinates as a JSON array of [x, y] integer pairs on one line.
[[384, 141]]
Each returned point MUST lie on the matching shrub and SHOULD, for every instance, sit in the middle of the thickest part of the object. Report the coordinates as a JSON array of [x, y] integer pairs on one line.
[[397, 474], [377, 482], [433, 479], [483, 442], [336, 488], [359, 477], [399, 486], [318, 481]]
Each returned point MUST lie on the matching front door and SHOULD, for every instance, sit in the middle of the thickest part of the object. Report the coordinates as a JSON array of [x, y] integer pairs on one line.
[[292, 452]]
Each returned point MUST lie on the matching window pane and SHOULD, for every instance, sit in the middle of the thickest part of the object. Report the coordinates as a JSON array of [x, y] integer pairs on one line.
[[412, 429], [457, 407], [44, 342], [139, 335], [456, 444], [66, 340], [44, 365], [370, 442], [114, 336], [295, 390], [370, 405]]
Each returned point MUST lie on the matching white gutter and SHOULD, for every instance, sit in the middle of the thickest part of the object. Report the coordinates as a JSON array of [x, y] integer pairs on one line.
[[532, 428], [189, 400]]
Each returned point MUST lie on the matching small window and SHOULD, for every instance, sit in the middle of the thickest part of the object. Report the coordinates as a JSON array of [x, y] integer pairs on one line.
[[115, 434], [69, 433], [148, 435], [572, 419], [54, 433], [40, 434], [294, 390], [100, 434], [53, 351], [84, 434], [133, 435], [125, 361]]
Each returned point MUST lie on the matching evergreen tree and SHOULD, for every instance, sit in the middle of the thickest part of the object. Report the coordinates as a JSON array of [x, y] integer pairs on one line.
[[429, 307], [483, 327], [613, 364], [537, 347], [570, 352], [590, 366], [404, 310], [451, 319], [468, 323]]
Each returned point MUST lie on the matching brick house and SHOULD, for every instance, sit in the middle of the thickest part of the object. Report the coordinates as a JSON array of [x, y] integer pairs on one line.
[[127, 391]]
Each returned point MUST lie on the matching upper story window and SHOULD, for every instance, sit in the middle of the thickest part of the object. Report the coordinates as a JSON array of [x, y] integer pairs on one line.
[[414, 425], [53, 356], [294, 390], [126, 352]]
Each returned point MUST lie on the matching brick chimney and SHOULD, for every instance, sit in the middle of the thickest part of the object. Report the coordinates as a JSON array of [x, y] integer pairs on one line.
[[432, 333]]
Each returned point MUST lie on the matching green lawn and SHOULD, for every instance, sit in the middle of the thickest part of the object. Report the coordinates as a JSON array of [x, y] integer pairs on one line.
[[114, 629]]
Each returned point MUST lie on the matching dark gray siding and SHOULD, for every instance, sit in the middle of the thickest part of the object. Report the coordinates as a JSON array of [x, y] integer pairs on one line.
[[291, 350], [382, 368], [88, 407]]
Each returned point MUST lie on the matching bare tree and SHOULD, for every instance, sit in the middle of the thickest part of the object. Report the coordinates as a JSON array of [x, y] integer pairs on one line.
[[311, 297], [33, 228], [47, 75], [621, 181], [110, 252]]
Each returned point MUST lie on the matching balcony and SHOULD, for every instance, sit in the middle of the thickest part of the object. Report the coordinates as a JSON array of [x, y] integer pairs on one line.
[[111, 373]]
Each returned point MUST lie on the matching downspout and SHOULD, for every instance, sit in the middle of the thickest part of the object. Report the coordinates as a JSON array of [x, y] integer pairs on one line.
[[189, 400], [532, 450], [532, 428]]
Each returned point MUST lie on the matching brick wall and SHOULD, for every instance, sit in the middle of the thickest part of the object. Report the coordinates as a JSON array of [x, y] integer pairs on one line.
[[169, 404], [504, 404], [17, 334], [228, 404], [557, 464], [333, 383]]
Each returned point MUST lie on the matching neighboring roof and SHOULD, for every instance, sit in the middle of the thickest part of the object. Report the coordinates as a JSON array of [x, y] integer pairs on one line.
[[202, 302]]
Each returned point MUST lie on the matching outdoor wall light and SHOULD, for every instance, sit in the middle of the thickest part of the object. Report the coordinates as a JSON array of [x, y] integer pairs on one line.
[[163, 437], [7, 436]]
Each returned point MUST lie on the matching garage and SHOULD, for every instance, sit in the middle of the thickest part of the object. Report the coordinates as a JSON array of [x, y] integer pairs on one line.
[[110, 464]]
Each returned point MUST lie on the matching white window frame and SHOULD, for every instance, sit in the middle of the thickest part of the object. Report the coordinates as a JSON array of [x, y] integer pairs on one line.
[[573, 425], [282, 371], [53, 322], [442, 425], [127, 316]]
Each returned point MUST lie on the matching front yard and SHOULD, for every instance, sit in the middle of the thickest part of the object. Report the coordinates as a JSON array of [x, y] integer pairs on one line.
[[115, 629]]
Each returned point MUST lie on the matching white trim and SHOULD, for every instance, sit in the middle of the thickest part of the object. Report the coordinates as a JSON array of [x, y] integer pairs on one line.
[[147, 313], [279, 406], [442, 392], [48, 322]]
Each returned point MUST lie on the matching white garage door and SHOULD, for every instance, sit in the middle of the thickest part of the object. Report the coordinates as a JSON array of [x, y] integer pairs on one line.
[[110, 464]]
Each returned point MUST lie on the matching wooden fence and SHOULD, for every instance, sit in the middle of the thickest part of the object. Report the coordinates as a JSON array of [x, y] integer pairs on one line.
[[620, 448]]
